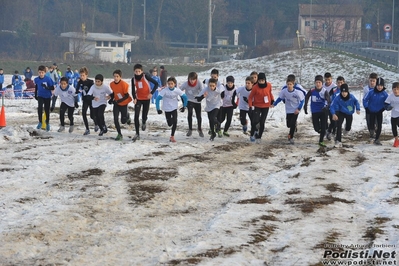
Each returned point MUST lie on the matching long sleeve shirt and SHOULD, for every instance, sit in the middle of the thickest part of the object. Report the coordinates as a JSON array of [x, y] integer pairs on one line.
[[261, 97], [170, 99], [346, 106], [294, 100], [375, 100], [319, 99], [67, 95]]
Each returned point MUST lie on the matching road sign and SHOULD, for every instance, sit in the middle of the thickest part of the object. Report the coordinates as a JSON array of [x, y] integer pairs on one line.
[[387, 35], [387, 27], [368, 26]]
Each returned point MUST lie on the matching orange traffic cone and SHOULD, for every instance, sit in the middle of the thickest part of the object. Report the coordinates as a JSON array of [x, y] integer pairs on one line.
[[3, 117]]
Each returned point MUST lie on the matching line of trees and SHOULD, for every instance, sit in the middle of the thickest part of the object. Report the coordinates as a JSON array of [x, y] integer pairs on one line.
[[38, 21]]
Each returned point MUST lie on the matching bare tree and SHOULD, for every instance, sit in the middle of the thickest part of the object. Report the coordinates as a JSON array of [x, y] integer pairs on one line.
[[157, 35], [131, 18], [93, 15]]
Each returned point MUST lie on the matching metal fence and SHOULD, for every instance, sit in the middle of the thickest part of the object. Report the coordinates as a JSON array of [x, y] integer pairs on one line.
[[359, 48]]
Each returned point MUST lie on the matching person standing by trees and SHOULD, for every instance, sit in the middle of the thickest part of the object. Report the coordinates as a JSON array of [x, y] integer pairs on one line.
[[163, 75], [128, 56], [1, 79], [154, 75], [28, 73], [69, 74], [55, 78], [17, 84]]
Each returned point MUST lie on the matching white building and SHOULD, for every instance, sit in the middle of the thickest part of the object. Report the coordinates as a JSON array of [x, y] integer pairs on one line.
[[109, 47]]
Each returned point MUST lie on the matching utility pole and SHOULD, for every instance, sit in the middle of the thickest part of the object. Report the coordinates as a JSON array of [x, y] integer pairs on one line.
[[393, 18], [311, 26], [145, 33], [209, 29], [119, 15]]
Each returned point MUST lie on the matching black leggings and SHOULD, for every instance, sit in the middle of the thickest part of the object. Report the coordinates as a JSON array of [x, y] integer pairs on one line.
[[395, 125], [63, 108], [319, 121], [137, 109], [124, 116], [99, 113], [291, 123], [46, 102], [243, 117], [333, 124], [226, 113], [373, 118], [348, 126], [259, 116], [86, 105], [197, 109], [171, 119], [213, 120]]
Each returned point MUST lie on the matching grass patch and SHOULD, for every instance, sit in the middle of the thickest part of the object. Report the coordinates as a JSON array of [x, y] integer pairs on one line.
[[393, 201], [307, 161], [25, 200], [148, 174], [262, 234], [265, 154], [277, 250], [296, 175], [309, 205], [232, 146], [258, 200], [331, 238], [136, 160], [195, 158], [374, 230], [197, 258], [333, 187], [294, 191], [85, 174], [141, 193]]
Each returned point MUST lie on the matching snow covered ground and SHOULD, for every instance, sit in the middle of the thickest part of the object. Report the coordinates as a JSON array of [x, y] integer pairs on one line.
[[69, 199]]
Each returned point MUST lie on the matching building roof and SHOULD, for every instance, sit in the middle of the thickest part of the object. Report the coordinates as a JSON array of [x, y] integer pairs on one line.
[[306, 10], [92, 36]]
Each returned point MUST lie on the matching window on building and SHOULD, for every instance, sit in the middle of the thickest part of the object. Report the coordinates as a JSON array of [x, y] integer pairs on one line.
[[347, 24], [99, 43], [314, 25], [113, 44], [120, 44], [307, 23], [106, 43]]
